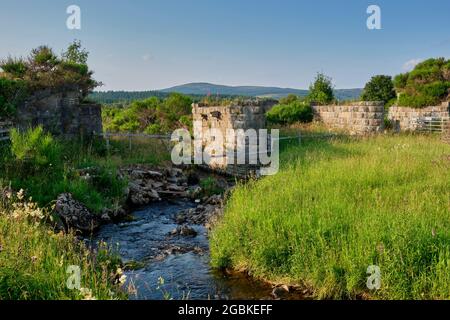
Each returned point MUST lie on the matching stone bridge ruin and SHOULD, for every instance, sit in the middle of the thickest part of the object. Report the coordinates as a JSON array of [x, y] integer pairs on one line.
[[248, 114]]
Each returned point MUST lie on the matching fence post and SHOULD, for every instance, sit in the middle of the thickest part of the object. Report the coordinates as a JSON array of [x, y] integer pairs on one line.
[[107, 141], [299, 139], [129, 141]]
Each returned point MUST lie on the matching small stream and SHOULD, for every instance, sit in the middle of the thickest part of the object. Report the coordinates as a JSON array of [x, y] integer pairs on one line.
[[182, 261]]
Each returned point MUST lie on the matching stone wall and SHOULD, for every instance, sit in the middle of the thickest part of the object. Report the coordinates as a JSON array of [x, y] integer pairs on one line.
[[446, 133], [355, 118], [243, 115], [404, 118], [60, 113]]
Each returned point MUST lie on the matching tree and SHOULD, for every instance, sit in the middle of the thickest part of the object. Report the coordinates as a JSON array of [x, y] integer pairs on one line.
[[76, 53], [379, 88], [321, 91]]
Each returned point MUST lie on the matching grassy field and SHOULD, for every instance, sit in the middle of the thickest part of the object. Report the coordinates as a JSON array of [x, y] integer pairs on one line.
[[336, 208]]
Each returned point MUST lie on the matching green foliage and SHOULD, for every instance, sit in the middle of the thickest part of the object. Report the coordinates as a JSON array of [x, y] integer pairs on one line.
[[35, 147], [291, 98], [46, 167], [151, 115], [34, 259], [43, 59], [210, 187], [379, 88], [295, 111], [45, 70], [428, 84], [321, 91], [400, 81], [12, 92], [336, 208], [13, 66], [76, 53]]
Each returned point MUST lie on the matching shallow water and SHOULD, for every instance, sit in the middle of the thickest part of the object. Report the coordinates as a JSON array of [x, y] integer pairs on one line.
[[186, 271]]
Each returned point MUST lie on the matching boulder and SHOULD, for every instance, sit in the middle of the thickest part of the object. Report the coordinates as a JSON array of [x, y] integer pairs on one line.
[[147, 185], [184, 231], [75, 215]]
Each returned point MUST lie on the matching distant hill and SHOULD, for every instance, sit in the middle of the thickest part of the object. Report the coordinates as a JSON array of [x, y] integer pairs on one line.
[[250, 91], [108, 97], [199, 90], [202, 88]]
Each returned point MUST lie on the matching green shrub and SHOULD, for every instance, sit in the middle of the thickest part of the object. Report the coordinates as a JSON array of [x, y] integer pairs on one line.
[[45, 70], [428, 84], [15, 67], [379, 88], [400, 80], [210, 187], [152, 116], [321, 91], [153, 128], [12, 93], [35, 147], [294, 112], [416, 101]]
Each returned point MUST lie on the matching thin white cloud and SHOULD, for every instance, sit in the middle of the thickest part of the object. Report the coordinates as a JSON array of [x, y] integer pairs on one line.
[[147, 57], [410, 64]]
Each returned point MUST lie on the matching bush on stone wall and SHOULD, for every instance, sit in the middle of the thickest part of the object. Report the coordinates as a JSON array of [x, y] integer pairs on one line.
[[427, 85], [12, 92], [296, 111], [379, 88], [321, 92], [43, 70]]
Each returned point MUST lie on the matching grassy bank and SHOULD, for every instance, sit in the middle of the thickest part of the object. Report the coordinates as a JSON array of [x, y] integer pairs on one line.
[[34, 259], [45, 167], [336, 208]]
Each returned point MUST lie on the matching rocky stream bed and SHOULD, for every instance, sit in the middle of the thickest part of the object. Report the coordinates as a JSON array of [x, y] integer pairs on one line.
[[162, 238]]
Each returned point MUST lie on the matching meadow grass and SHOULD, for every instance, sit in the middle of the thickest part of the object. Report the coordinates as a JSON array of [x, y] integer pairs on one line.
[[337, 207], [34, 260]]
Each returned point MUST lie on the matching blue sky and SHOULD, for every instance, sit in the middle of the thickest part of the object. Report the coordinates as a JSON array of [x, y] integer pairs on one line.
[[152, 44]]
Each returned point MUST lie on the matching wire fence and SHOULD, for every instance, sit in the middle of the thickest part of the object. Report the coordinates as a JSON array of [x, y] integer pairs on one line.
[[4, 134]]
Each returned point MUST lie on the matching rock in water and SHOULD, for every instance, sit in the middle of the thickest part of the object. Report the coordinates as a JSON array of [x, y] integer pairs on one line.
[[184, 231], [74, 214]]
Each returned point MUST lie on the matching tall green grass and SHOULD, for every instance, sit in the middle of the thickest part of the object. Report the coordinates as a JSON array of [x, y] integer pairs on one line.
[[45, 166], [336, 208], [34, 260]]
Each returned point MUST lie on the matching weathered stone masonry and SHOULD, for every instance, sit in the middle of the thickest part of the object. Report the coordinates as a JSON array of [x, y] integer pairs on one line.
[[243, 115], [61, 113], [404, 118], [355, 118]]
